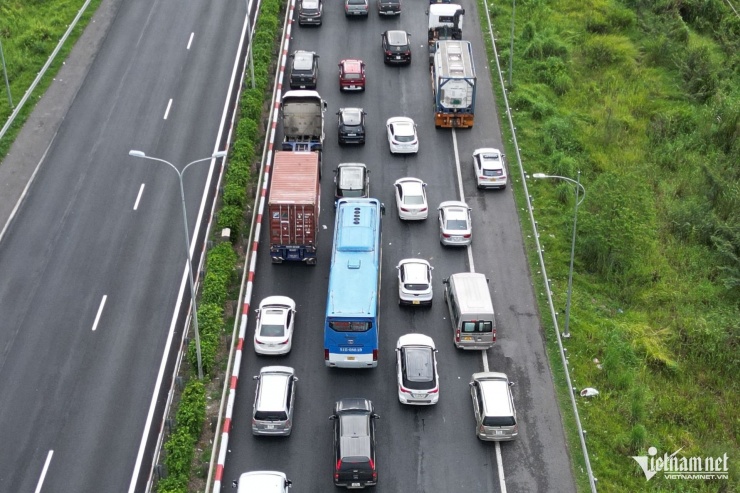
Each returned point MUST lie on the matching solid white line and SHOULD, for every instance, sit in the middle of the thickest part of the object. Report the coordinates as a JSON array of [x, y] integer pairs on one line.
[[500, 464], [190, 41], [167, 112], [44, 470], [138, 197], [484, 355], [462, 192], [100, 312]]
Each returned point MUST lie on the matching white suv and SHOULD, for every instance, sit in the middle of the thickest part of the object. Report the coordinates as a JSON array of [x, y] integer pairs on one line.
[[414, 282]]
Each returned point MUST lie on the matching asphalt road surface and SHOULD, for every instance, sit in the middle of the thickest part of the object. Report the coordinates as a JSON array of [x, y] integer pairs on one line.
[[420, 449], [92, 264]]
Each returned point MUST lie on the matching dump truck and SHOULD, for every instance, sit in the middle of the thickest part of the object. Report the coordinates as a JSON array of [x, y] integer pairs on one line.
[[453, 84], [302, 114], [445, 22], [293, 206]]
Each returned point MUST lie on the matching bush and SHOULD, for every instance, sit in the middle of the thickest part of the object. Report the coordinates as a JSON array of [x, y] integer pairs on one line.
[[607, 50], [192, 409], [231, 217], [179, 448], [699, 73]]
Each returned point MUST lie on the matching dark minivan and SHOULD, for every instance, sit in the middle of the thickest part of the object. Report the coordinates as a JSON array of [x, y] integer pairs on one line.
[[354, 443]]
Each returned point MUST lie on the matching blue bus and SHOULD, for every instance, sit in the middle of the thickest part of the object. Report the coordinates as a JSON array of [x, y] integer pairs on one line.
[[353, 301]]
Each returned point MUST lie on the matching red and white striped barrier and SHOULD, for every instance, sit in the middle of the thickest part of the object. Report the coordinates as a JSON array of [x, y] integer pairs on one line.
[[267, 164]]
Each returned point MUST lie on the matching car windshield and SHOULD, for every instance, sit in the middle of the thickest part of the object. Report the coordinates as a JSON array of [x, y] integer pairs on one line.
[[272, 330], [499, 421], [457, 224], [416, 286], [492, 172], [303, 61], [351, 118], [310, 5], [356, 2], [352, 76], [413, 199]]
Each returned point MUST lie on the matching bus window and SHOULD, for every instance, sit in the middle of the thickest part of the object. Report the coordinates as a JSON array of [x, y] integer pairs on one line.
[[350, 326]]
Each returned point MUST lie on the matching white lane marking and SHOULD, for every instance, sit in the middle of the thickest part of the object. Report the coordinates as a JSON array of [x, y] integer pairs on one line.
[[100, 312], [461, 192], [44, 470], [500, 464], [167, 112], [190, 41], [484, 354], [138, 197]]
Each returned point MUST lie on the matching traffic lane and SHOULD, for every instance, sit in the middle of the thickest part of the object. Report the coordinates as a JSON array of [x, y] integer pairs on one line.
[[74, 240], [539, 452]]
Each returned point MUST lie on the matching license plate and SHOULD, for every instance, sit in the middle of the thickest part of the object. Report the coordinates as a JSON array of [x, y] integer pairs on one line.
[[270, 427], [467, 338], [355, 485], [350, 358], [351, 135], [415, 302], [353, 87], [398, 57], [499, 432], [419, 396]]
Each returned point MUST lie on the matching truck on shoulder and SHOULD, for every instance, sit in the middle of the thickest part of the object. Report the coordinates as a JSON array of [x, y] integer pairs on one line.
[[302, 114], [293, 206], [445, 22], [453, 84]]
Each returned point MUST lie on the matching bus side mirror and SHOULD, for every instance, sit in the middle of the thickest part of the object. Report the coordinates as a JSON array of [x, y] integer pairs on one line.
[[382, 209]]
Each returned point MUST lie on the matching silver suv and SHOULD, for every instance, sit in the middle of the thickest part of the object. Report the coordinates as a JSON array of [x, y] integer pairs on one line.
[[493, 406], [274, 400]]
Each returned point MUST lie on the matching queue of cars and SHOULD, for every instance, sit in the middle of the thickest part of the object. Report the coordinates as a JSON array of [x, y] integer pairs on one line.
[[416, 354]]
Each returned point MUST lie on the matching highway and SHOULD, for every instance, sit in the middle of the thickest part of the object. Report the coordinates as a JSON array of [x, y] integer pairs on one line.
[[420, 449], [92, 265]]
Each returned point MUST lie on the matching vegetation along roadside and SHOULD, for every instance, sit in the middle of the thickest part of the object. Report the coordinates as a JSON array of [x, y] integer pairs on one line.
[[643, 98]]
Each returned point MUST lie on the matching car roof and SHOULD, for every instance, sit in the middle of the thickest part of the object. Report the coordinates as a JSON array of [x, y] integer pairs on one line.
[[352, 66], [303, 60], [351, 116], [273, 388], [311, 4], [397, 37], [277, 300], [402, 125], [267, 481], [353, 404], [495, 393], [415, 340], [413, 186], [351, 176], [415, 272]]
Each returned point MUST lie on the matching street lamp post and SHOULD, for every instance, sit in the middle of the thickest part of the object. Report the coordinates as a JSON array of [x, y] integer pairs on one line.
[[5, 73], [579, 187], [215, 155], [249, 46]]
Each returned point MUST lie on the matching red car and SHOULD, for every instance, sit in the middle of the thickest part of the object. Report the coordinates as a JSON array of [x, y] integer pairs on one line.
[[352, 75]]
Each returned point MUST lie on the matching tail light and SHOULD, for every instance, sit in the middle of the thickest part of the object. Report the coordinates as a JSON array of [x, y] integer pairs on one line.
[[326, 355], [404, 209], [467, 236], [434, 391], [284, 342], [336, 471], [457, 335], [424, 209], [494, 335], [375, 355], [445, 235], [404, 390], [258, 341], [388, 52], [375, 473]]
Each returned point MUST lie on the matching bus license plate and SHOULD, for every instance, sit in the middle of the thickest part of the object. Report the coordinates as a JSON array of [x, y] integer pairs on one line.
[[415, 302], [350, 358]]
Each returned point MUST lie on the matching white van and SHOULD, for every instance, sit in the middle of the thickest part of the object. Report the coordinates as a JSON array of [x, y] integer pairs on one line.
[[471, 310], [264, 482]]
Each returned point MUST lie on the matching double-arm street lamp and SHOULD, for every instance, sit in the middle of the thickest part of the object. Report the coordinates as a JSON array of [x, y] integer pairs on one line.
[[579, 188], [215, 155]]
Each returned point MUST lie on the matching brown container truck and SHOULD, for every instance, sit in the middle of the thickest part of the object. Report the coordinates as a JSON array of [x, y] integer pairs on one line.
[[293, 206]]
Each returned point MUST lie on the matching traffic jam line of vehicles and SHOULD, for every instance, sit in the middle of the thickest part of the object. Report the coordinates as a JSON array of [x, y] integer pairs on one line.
[[350, 330]]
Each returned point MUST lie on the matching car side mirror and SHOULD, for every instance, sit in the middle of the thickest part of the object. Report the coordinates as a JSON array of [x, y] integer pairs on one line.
[[295, 379], [375, 416], [324, 105], [511, 384], [426, 11], [446, 280], [256, 377], [288, 483], [234, 483], [332, 417], [382, 209], [470, 384]]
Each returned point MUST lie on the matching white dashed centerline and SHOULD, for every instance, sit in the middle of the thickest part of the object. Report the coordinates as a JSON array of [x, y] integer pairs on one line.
[[190, 41], [44, 470], [100, 312], [138, 197], [167, 111]]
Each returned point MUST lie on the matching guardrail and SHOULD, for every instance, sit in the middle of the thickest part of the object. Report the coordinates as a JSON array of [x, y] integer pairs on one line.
[[41, 74], [553, 314]]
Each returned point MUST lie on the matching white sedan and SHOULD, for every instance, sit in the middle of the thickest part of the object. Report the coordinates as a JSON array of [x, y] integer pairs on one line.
[[416, 368], [411, 199], [402, 136], [275, 320], [414, 282], [490, 171], [455, 225]]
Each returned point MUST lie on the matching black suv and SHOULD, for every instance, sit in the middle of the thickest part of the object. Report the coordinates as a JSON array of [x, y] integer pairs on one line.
[[389, 7], [354, 443], [309, 12], [304, 71], [351, 126], [396, 47]]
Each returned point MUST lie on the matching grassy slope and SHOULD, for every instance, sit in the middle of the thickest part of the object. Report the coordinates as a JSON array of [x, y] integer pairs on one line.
[[643, 98], [29, 31]]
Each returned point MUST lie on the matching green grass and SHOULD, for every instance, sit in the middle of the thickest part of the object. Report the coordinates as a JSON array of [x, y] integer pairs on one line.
[[29, 32], [644, 99]]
